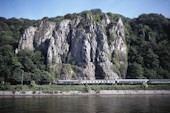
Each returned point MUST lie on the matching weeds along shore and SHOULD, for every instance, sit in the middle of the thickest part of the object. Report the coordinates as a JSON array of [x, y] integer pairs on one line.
[[83, 88]]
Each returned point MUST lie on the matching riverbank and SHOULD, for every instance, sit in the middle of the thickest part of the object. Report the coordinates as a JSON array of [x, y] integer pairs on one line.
[[91, 92], [83, 89]]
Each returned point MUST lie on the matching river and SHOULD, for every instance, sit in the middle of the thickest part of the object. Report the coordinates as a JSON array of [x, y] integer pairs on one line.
[[86, 104]]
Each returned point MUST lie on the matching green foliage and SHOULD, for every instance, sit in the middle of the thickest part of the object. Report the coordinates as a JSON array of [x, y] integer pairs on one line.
[[96, 11], [119, 64], [64, 58], [11, 29], [96, 15], [135, 70], [111, 36], [145, 85], [26, 63], [114, 60], [34, 67], [6, 86], [65, 71], [71, 16], [73, 62], [86, 89], [123, 70], [77, 70], [114, 69], [8, 62], [56, 19], [149, 46], [32, 83], [86, 12], [151, 60], [150, 73], [12, 66], [83, 88]]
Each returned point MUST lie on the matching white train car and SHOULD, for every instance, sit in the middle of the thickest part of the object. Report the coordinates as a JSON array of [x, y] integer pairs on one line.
[[97, 82], [159, 81], [131, 81], [68, 82]]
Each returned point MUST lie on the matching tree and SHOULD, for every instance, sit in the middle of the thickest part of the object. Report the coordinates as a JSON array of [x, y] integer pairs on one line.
[[151, 60], [135, 70], [6, 61], [34, 67]]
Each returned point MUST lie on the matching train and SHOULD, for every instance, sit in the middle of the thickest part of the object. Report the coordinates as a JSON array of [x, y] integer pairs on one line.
[[113, 82]]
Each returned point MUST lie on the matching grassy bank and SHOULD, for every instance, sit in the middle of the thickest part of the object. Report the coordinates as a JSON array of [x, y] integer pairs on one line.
[[83, 88]]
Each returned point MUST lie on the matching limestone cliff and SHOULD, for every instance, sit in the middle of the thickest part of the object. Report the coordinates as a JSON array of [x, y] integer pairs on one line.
[[98, 48]]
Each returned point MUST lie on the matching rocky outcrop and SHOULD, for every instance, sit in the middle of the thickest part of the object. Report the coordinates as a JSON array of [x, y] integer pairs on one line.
[[99, 49], [27, 39]]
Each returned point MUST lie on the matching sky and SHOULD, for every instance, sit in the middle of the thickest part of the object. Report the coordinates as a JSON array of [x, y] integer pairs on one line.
[[37, 9]]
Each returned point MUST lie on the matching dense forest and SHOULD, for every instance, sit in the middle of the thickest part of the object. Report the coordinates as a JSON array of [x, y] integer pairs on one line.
[[148, 40]]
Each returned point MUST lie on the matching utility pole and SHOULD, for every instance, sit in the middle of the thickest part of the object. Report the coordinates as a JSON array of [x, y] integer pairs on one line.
[[22, 77]]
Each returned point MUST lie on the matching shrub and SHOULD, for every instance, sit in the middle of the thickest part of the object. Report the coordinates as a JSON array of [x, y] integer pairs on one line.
[[145, 85], [86, 89], [32, 83], [6, 86], [114, 69]]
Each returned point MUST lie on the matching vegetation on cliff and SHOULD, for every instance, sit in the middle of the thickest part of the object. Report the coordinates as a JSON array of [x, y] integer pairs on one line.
[[147, 37]]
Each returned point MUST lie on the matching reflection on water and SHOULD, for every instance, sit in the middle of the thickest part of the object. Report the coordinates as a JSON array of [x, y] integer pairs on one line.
[[86, 104]]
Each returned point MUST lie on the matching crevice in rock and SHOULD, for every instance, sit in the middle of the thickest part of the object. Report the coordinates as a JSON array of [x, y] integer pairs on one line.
[[98, 72]]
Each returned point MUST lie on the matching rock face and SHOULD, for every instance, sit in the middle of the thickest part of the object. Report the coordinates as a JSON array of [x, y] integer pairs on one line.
[[27, 39], [99, 49]]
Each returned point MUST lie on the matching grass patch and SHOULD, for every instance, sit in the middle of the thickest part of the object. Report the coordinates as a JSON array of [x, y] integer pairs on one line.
[[83, 88]]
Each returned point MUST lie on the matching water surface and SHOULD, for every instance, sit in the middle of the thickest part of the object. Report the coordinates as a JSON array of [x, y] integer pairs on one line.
[[86, 104]]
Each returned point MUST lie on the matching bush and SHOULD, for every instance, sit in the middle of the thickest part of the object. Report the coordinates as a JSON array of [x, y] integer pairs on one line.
[[145, 85], [32, 83], [86, 89], [114, 69], [20, 88], [6, 86]]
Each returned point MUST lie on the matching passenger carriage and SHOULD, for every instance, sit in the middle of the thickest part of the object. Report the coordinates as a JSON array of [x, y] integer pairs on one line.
[[159, 81], [68, 82], [131, 81], [97, 82]]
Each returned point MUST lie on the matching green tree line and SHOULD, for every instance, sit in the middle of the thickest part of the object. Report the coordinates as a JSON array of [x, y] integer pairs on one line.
[[149, 47], [26, 65]]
